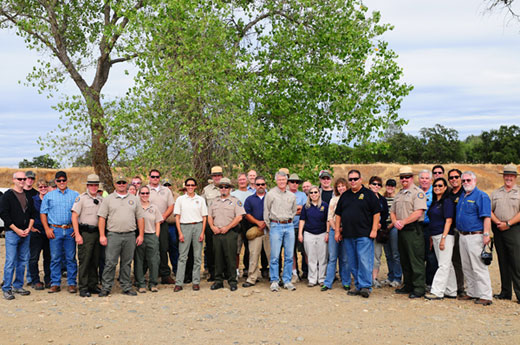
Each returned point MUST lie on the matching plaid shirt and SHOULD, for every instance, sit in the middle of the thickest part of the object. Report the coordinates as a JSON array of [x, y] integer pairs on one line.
[[57, 206]]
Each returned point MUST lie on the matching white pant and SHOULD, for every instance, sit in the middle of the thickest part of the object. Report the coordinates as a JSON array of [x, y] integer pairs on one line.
[[445, 281], [316, 250], [475, 272]]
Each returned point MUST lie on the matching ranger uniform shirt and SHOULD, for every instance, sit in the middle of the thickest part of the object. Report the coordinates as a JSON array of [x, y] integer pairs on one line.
[[407, 201], [223, 211], [279, 205], [151, 217], [210, 193], [121, 212], [87, 209], [505, 205], [161, 197]]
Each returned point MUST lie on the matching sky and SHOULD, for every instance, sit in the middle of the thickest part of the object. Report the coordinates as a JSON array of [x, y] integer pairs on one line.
[[463, 61]]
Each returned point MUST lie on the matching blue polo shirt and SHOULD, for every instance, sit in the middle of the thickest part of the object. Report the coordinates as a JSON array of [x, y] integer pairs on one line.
[[472, 209], [315, 218], [301, 199], [57, 206], [429, 198], [438, 213], [254, 206]]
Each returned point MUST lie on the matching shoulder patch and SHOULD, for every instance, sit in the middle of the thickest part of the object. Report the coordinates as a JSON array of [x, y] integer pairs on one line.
[[77, 199], [239, 203], [420, 195]]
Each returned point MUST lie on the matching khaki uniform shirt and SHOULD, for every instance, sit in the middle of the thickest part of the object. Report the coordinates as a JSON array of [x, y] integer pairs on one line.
[[191, 210], [505, 205], [407, 201], [223, 211], [151, 217], [161, 197], [210, 193], [86, 209], [278, 205], [121, 212]]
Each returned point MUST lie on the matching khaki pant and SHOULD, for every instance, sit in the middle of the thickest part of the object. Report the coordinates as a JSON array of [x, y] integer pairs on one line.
[[316, 249], [475, 271], [255, 249]]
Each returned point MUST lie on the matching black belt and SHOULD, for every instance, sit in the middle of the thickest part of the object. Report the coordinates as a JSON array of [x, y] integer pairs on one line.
[[88, 228], [471, 232], [191, 223], [288, 221]]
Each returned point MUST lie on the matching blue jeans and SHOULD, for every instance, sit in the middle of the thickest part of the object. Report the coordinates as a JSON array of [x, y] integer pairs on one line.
[[393, 259], [360, 252], [63, 244], [16, 259], [173, 248], [337, 252], [281, 234]]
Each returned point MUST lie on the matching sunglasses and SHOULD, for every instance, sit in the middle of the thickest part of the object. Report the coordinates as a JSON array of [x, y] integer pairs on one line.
[[376, 184], [351, 179], [21, 178], [437, 172], [144, 193], [438, 186], [121, 182], [225, 187], [405, 177], [294, 182], [260, 184], [191, 185], [315, 192], [466, 180], [454, 177], [43, 187], [61, 181], [155, 176], [325, 178]]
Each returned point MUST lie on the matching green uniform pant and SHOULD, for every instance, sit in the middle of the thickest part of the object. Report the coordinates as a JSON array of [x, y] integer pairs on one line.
[[149, 250], [507, 244], [225, 249], [88, 255], [411, 249], [164, 245], [118, 245]]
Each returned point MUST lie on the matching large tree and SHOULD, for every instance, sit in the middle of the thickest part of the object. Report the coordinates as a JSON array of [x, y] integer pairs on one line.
[[86, 38]]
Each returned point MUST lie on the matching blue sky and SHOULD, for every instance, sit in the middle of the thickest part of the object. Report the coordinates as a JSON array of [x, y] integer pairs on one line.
[[463, 61]]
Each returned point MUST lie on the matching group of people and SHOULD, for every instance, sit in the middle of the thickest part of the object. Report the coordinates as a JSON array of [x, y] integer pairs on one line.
[[433, 233]]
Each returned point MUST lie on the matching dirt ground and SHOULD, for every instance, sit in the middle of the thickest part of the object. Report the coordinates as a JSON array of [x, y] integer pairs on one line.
[[255, 316]]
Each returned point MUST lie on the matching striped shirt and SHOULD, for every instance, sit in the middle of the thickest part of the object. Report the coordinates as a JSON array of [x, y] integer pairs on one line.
[[57, 206]]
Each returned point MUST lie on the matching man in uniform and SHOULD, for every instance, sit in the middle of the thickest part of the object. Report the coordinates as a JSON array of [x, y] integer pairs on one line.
[[210, 193], [121, 215], [56, 217], [406, 213], [86, 233], [473, 221], [162, 198], [279, 211], [505, 215], [224, 215], [456, 191]]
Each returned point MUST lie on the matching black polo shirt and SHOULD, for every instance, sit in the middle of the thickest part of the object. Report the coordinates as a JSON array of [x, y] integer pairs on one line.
[[357, 212]]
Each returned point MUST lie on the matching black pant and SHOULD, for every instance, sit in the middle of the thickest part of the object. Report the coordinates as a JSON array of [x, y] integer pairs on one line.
[[507, 244], [429, 257], [38, 243], [209, 256], [88, 256], [164, 246]]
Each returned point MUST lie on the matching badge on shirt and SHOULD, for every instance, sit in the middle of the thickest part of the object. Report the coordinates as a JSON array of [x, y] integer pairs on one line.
[[239, 203], [150, 210], [130, 202], [420, 195], [322, 208], [361, 196], [471, 201], [457, 200]]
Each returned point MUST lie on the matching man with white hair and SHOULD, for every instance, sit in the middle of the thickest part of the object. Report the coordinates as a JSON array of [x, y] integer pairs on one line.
[[474, 225]]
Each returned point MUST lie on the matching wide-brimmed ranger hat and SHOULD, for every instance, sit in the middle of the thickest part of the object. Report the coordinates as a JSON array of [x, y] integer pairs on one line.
[[225, 182], [406, 170], [510, 169], [92, 179]]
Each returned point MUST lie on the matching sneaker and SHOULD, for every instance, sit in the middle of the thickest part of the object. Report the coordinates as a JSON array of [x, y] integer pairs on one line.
[[386, 282], [346, 287], [8, 295], [395, 284], [376, 284], [325, 288], [289, 286], [295, 279], [431, 296], [274, 287], [21, 291], [311, 284], [364, 292]]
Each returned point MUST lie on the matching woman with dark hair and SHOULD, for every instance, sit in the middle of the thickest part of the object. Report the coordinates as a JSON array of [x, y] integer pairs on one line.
[[336, 250], [441, 214], [375, 183], [393, 258]]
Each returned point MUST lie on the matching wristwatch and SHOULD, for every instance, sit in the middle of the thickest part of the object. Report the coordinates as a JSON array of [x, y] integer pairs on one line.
[[508, 225], [443, 236], [486, 234]]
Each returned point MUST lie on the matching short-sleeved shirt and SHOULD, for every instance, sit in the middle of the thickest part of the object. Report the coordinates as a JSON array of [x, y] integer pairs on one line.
[[505, 205], [223, 211], [121, 212], [357, 212], [429, 199], [242, 195], [210, 193], [279, 205], [326, 195], [315, 218], [472, 208], [161, 197], [57, 206], [191, 209], [301, 199], [87, 209], [407, 201], [254, 206], [151, 217], [438, 213]]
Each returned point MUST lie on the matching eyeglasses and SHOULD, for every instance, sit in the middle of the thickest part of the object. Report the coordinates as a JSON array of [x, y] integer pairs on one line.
[[405, 177], [351, 179], [468, 180], [260, 184], [437, 172], [315, 192], [191, 185], [61, 181], [43, 187], [144, 193], [454, 177], [294, 182], [376, 184], [21, 178], [225, 187], [155, 176], [121, 182], [438, 186]]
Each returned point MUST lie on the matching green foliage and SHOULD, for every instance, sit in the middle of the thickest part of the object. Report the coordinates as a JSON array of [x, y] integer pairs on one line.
[[43, 161], [500, 146], [441, 145]]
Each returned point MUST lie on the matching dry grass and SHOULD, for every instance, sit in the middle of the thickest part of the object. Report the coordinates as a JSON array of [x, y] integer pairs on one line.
[[487, 174]]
